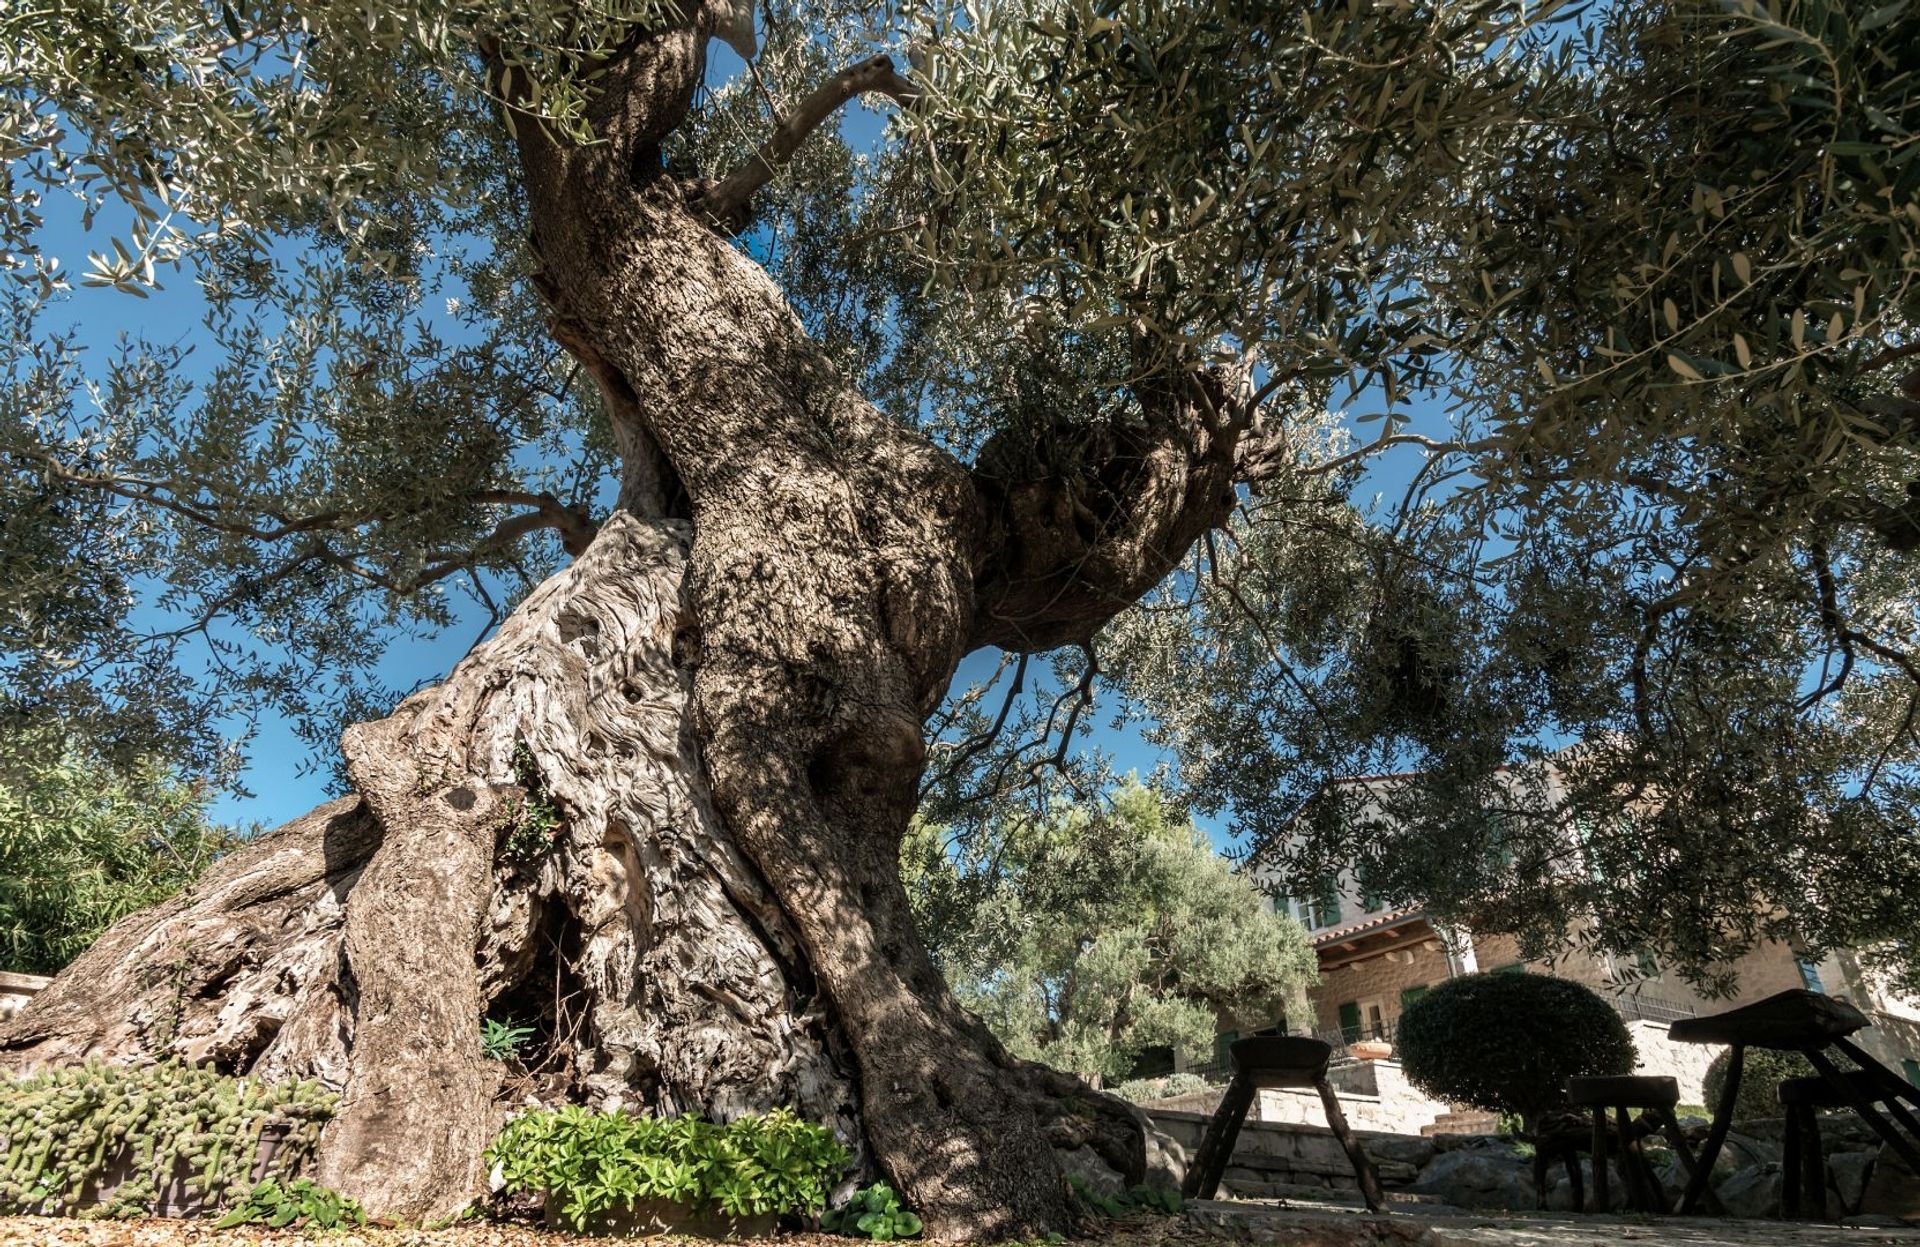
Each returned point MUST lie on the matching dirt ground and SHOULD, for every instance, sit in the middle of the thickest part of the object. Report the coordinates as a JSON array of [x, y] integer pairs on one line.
[[59, 1232]]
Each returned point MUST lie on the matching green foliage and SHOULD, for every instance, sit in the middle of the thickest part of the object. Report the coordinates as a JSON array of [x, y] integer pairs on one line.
[[1761, 1074], [1508, 1043], [1143, 1090], [84, 843], [531, 835], [502, 1041], [1089, 934], [873, 1212], [61, 1130], [597, 1162], [297, 1204], [1623, 292], [1154, 1199]]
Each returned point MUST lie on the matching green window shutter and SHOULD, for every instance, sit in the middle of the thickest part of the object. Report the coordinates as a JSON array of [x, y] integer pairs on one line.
[[1911, 1068], [1410, 995], [1518, 967], [1350, 1021], [1223, 1049], [1647, 964], [1329, 902]]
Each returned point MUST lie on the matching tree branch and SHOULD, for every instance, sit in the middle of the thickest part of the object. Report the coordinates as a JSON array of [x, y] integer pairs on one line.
[[727, 202]]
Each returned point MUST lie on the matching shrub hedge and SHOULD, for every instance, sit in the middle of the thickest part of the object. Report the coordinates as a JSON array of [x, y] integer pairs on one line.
[[1508, 1043]]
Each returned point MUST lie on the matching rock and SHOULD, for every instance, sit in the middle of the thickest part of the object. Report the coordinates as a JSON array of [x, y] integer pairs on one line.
[[1751, 1192], [1407, 1149], [1892, 1190], [1479, 1178], [1847, 1172], [1086, 1164], [1560, 1191], [1745, 1151], [1166, 1158]]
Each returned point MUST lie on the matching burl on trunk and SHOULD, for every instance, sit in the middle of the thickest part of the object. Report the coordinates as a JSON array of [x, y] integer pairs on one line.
[[723, 700]]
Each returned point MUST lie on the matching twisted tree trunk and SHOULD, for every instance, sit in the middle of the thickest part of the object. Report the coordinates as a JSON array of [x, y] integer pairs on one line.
[[725, 711]]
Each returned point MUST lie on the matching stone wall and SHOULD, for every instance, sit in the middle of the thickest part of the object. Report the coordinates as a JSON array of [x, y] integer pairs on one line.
[[1275, 1159], [1685, 1063], [17, 989]]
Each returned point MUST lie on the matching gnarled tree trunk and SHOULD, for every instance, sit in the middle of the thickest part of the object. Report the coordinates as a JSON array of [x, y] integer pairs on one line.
[[725, 711]]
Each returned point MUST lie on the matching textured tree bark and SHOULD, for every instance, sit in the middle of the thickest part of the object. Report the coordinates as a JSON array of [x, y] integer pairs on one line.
[[361, 944], [727, 716]]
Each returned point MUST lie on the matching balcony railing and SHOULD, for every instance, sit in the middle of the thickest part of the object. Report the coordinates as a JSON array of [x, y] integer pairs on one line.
[[1631, 1008]]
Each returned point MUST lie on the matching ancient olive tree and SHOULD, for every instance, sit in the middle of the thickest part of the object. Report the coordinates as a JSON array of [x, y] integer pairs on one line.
[[744, 434]]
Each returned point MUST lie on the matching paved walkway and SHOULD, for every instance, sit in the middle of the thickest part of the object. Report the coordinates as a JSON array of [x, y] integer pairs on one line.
[[1265, 1224]]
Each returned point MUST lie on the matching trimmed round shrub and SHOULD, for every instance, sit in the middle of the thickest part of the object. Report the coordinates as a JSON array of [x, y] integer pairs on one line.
[[1507, 1043], [1760, 1077]]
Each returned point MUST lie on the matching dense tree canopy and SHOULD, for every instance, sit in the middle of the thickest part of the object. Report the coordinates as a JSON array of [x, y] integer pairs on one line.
[[1337, 386], [1086, 938], [83, 844]]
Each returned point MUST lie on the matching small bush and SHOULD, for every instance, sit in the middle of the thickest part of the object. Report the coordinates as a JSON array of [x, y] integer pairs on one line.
[[876, 1213], [1143, 1090], [1507, 1043], [1760, 1077], [62, 1130], [599, 1162]]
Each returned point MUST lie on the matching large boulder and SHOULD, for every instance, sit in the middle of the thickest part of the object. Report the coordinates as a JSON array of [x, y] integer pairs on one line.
[[1751, 1192], [1560, 1191], [1479, 1178], [1847, 1173], [1892, 1190]]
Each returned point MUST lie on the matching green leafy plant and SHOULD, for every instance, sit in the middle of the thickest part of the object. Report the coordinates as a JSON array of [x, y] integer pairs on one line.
[[62, 1130], [1508, 1043], [597, 1162], [84, 843], [502, 1041], [296, 1204], [874, 1212], [532, 833]]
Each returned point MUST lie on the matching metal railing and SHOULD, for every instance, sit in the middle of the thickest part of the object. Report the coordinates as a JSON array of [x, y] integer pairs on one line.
[[1340, 1038]]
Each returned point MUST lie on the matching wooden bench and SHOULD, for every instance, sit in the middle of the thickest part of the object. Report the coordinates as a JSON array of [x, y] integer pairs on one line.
[[1621, 1094], [1808, 1023], [1274, 1061]]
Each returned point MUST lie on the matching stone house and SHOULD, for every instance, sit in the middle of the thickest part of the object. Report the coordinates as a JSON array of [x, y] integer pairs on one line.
[[1376, 959]]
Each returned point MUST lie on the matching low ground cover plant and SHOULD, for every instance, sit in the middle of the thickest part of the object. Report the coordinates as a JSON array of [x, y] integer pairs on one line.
[[109, 1140], [296, 1204], [601, 1162], [874, 1212]]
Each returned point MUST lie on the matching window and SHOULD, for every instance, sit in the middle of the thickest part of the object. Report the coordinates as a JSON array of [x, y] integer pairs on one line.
[[1323, 908], [1350, 1021], [1410, 995], [1223, 1049], [1810, 974], [1911, 1068], [1647, 964], [1518, 967]]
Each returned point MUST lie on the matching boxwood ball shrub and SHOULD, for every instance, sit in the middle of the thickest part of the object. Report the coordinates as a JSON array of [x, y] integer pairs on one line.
[[1507, 1043], [1760, 1077], [598, 1162]]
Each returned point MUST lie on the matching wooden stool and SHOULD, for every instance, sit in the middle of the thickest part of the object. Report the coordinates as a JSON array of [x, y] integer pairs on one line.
[[1560, 1136], [1808, 1023], [1274, 1061], [1803, 1159], [1622, 1094]]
